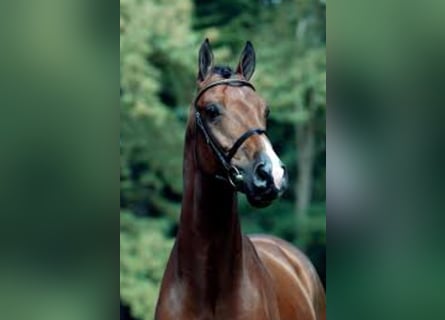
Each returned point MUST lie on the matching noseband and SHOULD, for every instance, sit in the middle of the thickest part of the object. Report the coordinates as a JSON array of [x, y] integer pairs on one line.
[[232, 175]]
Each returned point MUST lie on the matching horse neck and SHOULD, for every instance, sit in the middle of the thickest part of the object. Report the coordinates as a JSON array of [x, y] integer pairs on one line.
[[209, 242]]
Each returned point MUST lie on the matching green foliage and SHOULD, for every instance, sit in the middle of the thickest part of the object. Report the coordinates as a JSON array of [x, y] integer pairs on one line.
[[144, 251], [151, 133]]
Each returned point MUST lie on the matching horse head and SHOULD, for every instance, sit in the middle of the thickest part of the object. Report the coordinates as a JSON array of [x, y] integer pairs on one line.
[[231, 118]]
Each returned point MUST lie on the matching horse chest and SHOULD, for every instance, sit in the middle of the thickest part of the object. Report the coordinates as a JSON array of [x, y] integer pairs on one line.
[[241, 309], [248, 301]]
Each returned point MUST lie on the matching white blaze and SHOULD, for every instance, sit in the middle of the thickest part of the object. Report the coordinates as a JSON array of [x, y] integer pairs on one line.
[[277, 169]]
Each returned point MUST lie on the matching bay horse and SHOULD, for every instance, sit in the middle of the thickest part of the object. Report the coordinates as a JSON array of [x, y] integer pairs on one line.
[[214, 272]]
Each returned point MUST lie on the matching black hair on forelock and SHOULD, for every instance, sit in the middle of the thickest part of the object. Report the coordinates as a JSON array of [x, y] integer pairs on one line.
[[224, 71]]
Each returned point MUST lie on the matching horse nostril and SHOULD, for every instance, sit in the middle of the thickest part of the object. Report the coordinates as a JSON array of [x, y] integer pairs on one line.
[[261, 171], [261, 175]]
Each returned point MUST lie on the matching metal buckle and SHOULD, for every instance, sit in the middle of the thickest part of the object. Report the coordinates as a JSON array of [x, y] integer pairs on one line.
[[235, 177]]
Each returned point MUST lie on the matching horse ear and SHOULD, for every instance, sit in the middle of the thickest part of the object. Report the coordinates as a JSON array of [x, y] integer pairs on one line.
[[205, 60], [246, 65]]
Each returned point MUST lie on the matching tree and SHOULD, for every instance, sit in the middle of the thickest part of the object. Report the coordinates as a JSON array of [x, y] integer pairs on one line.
[[144, 252], [156, 58]]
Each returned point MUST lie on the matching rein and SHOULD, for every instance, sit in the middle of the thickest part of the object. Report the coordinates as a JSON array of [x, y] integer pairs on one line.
[[232, 174]]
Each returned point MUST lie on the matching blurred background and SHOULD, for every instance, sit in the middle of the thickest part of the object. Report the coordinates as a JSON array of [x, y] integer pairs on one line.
[[59, 125], [159, 43]]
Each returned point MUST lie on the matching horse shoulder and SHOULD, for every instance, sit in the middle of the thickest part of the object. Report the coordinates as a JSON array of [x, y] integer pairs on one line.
[[298, 288]]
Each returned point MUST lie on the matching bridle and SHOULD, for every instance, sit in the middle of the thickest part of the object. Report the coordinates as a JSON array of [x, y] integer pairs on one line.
[[232, 174]]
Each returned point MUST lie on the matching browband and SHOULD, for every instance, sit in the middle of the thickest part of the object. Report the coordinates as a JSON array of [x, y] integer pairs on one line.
[[230, 82]]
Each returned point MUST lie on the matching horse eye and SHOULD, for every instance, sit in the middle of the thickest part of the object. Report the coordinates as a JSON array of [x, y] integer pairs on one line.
[[212, 111]]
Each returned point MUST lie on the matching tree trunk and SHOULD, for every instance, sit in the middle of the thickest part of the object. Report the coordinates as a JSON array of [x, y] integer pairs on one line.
[[305, 161]]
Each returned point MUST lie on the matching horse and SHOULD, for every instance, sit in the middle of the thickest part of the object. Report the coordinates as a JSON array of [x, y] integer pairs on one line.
[[214, 271]]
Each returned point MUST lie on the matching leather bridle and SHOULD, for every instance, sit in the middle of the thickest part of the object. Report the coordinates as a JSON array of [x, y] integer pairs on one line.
[[232, 174]]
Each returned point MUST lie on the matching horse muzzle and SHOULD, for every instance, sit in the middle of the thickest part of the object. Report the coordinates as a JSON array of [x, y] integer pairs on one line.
[[265, 181]]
